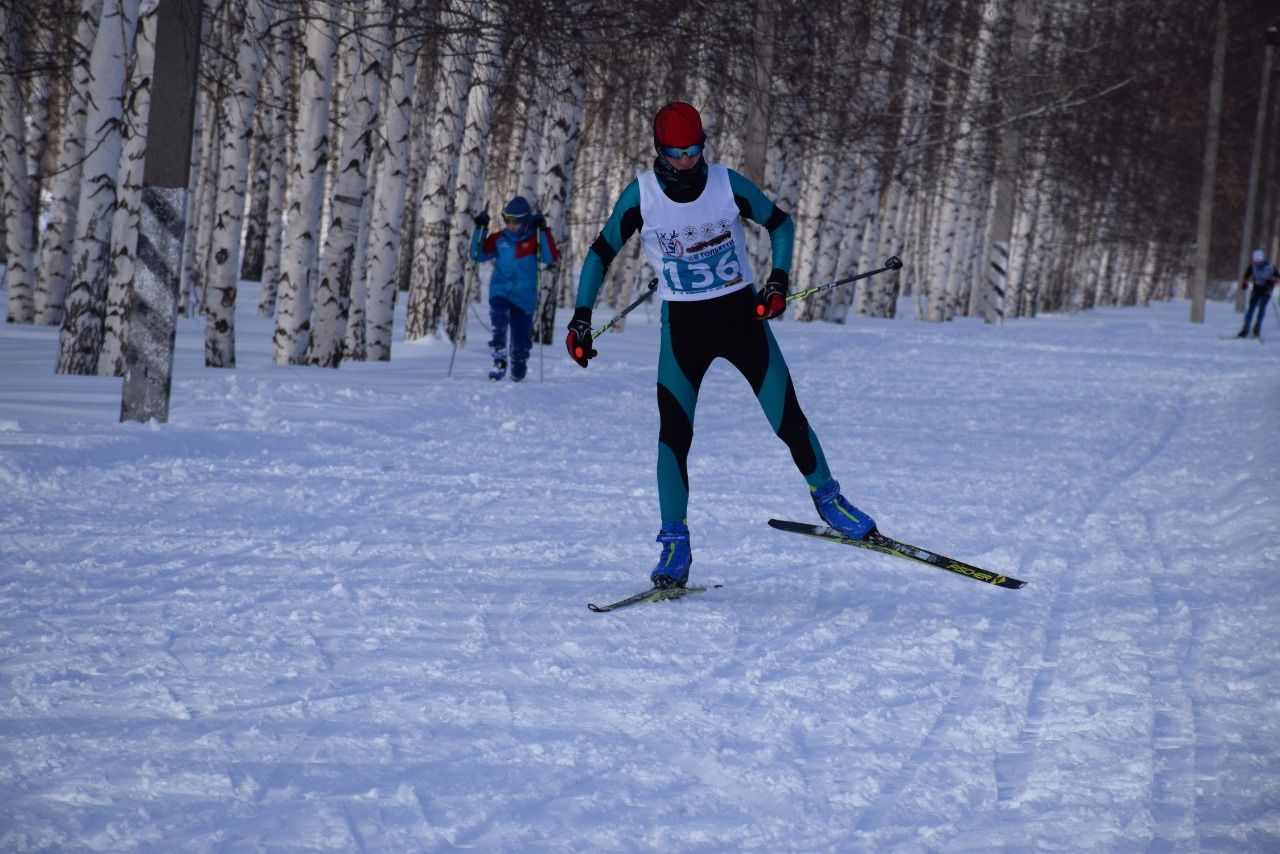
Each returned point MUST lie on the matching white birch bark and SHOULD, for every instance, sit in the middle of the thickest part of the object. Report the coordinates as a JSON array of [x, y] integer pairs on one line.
[[388, 206], [841, 218], [876, 217], [80, 340], [354, 346], [468, 191], [562, 135], [235, 118], [306, 197], [427, 296], [58, 233], [882, 295], [276, 87], [201, 133], [422, 122], [19, 199], [258, 194], [811, 220], [40, 87], [527, 142], [366, 58], [128, 214], [1024, 243]]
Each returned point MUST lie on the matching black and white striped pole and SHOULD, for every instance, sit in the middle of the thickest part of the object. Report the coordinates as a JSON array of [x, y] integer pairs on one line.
[[153, 310]]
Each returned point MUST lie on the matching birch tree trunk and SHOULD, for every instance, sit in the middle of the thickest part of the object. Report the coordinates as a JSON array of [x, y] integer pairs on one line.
[[427, 296], [388, 205], [258, 193], [235, 118], [1209, 170], [80, 341], [58, 234], [1005, 185], [468, 190], [128, 214], [277, 83], [561, 136], [531, 118], [19, 200], [366, 59], [810, 226], [306, 197]]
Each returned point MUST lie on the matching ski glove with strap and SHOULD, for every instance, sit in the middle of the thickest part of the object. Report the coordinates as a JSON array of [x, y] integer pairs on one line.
[[481, 219], [578, 341], [772, 300]]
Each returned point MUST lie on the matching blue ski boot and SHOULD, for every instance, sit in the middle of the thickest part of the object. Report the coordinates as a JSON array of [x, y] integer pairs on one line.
[[673, 567], [837, 512], [499, 365], [518, 370]]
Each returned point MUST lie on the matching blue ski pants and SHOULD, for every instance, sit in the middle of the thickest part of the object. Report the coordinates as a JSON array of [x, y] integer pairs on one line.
[[505, 316]]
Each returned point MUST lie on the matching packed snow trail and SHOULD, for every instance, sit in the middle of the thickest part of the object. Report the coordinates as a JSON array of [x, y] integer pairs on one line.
[[343, 609]]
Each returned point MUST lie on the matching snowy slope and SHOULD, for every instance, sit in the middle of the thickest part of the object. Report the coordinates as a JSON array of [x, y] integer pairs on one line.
[[345, 609]]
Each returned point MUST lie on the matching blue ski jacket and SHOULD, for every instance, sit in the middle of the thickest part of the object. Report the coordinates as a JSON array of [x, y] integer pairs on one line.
[[515, 257]]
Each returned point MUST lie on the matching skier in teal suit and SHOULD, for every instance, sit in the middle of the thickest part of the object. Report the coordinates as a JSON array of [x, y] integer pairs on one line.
[[690, 218]]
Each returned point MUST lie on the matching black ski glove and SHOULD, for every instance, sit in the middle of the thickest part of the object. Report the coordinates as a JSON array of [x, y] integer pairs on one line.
[[772, 300], [578, 341], [539, 222], [481, 219]]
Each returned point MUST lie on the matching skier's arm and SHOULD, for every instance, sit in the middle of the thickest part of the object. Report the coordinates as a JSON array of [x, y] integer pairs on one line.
[[483, 248], [548, 251], [622, 223], [754, 205]]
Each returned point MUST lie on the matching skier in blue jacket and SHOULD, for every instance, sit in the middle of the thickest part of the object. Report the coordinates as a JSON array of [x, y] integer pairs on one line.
[[690, 215], [1262, 275], [513, 288]]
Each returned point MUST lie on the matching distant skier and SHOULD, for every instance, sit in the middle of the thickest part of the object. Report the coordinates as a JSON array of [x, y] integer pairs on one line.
[[513, 288], [1261, 274], [689, 215]]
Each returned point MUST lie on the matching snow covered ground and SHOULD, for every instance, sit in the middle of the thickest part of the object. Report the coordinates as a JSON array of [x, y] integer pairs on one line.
[[345, 609]]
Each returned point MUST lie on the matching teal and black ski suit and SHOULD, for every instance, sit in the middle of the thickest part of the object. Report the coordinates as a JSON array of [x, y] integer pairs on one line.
[[696, 332]]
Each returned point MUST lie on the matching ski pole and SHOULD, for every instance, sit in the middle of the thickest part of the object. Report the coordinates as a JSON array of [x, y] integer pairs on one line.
[[462, 313], [546, 324], [648, 292], [893, 263]]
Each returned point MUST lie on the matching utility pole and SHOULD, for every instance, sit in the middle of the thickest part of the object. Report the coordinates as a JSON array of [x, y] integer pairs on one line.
[[1247, 243]]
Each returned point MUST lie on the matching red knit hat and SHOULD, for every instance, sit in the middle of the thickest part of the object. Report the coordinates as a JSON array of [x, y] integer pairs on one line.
[[677, 125]]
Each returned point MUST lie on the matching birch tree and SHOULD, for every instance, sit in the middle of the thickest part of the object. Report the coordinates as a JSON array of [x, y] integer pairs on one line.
[[307, 174], [559, 149], [389, 194], [19, 199], [427, 295], [366, 59], [80, 341], [58, 238], [469, 185], [277, 83], [128, 213], [235, 120]]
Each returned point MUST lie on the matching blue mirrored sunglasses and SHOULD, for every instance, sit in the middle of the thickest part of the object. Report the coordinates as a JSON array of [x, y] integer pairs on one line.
[[688, 151]]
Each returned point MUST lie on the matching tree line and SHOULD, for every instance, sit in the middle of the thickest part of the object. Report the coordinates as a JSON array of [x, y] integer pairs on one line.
[[1019, 157]]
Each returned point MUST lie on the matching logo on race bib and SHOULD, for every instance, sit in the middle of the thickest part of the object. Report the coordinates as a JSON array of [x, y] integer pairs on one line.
[[688, 240]]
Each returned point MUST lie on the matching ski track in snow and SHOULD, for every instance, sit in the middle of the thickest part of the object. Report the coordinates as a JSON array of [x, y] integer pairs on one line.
[[345, 609]]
